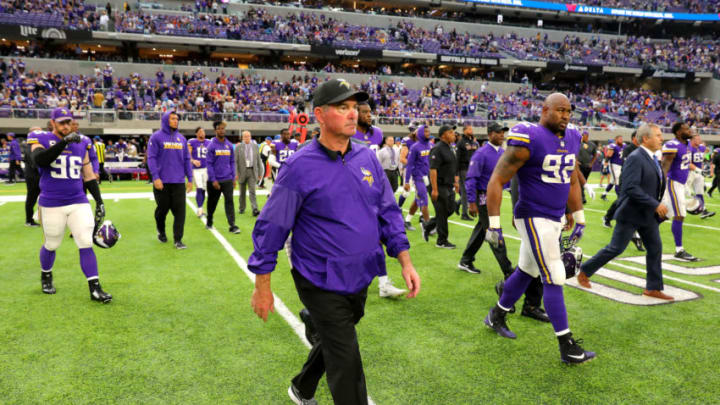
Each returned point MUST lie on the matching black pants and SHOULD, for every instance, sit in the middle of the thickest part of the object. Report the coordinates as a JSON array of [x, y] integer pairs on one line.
[[476, 241], [463, 193], [444, 207], [338, 351], [170, 198], [534, 292], [226, 189], [32, 184], [585, 170], [715, 183], [14, 167], [392, 176], [264, 163], [103, 173]]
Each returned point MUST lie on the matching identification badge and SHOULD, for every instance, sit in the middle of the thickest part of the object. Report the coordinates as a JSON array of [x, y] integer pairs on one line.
[[426, 180], [248, 163]]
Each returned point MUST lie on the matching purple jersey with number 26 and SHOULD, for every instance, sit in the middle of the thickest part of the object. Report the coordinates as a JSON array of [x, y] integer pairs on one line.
[[61, 183], [544, 180]]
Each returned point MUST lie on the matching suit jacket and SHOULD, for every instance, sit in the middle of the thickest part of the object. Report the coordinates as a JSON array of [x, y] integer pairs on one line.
[[641, 190], [240, 160]]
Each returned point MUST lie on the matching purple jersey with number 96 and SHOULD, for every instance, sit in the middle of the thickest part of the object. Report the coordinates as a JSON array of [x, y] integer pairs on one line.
[[544, 180], [61, 183]]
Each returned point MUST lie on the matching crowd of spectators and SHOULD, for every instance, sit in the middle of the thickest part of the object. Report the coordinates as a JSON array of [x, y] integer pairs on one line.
[[67, 14], [252, 97]]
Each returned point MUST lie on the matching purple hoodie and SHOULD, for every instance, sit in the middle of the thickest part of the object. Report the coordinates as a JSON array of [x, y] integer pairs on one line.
[[167, 154]]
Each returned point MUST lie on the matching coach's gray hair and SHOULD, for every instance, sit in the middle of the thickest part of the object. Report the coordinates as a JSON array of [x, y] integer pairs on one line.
[[645, 130]]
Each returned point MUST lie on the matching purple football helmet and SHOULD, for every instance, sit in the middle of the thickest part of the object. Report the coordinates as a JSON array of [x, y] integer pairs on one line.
[[107, 235], [571, 256]]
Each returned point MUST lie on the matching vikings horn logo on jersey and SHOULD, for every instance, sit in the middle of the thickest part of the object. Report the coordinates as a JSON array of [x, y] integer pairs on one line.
[[367, 176]]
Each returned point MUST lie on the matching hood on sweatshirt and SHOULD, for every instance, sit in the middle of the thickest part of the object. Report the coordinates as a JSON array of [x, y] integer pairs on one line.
[[421, 136], [165, 122]]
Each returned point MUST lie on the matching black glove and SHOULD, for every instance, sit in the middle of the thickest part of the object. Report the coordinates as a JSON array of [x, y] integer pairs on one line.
[[72, 137]]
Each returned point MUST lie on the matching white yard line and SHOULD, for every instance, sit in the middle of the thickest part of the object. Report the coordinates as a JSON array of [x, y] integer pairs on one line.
[[280, 308], [613, 262]]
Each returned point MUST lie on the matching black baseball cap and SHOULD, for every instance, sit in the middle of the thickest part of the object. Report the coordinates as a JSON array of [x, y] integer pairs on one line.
[[335, 91], [497, 127], [445, 128]]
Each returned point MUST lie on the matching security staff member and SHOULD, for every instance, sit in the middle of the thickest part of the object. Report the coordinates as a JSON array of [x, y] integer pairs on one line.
[[444, 178], [466, 147], [334, 198], [168, 159], [388, 157], [100, 152], [586, 159], [32, 183]]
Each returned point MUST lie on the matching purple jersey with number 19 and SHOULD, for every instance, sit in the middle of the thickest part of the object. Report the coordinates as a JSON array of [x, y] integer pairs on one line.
[[199, 151], [62, 182], [544, 180]]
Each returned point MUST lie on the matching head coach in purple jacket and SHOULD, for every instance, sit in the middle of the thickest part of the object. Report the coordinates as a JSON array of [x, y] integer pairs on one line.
[[334, 197]]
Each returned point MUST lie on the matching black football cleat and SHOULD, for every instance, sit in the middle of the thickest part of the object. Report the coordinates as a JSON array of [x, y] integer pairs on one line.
[[311, 333], [97, 293], [46, 281], [638, 244], [495, 320], [706, 214], [683, 255], [536, 313], [571, 352]]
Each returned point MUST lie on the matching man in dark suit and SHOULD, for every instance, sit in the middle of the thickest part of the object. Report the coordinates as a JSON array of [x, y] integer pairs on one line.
[[639, 209]]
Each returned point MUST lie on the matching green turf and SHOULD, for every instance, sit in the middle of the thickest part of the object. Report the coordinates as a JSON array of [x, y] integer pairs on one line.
[[180, 328]]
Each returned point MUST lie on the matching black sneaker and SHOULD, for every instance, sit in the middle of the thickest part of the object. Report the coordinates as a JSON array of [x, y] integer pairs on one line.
[[603, 197], [683, 255], [638, 244], [46, 280], [256, 212], [499, 289], [234, 229], [162, 237], [536, 313], [495, 320], [606, 222], [180, 246], [97, 293], [297, 398], [310, 332], [32, 223], [571, 352], [706, 214], [208, 226], [408, 226], [425, 231], [445, 245], [468, 267]]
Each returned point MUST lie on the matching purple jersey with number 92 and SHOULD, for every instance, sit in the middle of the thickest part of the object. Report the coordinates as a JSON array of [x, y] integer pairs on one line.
[[544, 180], [61, 183]]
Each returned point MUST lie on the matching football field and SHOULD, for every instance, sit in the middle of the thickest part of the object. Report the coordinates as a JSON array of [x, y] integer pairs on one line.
[[180, 329]]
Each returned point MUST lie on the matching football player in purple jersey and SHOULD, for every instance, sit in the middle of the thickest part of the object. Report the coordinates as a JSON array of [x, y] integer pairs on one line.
[[405, 146], [418, 170], [696, 179], [615, 156], [543, 158], [63, 160], [367, 133], [676, 161], [198, 148]]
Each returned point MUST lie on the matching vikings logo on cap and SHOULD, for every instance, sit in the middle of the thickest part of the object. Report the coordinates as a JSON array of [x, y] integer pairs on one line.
[[344, 83], [367, 176]]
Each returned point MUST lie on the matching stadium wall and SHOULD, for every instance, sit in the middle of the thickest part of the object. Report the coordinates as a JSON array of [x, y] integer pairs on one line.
[[74, 67]]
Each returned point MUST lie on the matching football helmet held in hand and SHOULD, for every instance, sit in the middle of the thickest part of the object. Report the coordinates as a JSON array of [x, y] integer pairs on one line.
[[571, 256], [107, 235]]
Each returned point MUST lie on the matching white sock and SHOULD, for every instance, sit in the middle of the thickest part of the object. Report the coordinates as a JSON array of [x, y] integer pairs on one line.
[[678, 249], [382, 280], [408, 218]]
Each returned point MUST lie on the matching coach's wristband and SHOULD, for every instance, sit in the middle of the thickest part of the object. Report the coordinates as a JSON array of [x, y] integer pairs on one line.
[[494, 221], [579, 216]]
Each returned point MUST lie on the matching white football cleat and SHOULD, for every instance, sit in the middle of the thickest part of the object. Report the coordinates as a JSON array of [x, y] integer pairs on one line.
[[387, 290]]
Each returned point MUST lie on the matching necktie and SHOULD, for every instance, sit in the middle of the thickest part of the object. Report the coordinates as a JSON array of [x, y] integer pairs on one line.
[[657, 166]]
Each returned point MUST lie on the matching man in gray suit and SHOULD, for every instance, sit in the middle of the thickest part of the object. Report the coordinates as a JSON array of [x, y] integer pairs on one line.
[[249, 170], [639, 208]]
